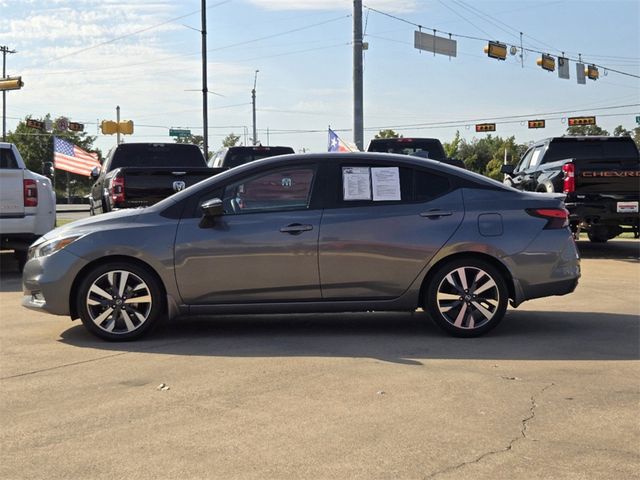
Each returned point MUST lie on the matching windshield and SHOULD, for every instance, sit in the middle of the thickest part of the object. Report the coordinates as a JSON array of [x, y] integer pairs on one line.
[[419, 147], [559, 150]]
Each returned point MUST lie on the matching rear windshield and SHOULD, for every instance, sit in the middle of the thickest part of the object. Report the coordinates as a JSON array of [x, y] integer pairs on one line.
[[240, 156], [7, 160], [619, 149], [157, 155], [419, 147]]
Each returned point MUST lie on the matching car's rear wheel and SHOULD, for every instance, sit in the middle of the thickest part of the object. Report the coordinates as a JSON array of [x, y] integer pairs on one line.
[[120, 301], [467, 297]]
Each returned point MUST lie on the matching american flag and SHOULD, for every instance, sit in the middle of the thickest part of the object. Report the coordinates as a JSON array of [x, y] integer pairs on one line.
[[69, 157]]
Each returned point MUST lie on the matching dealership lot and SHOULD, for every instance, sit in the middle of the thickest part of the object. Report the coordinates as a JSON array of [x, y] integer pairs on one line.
[[553, 392]]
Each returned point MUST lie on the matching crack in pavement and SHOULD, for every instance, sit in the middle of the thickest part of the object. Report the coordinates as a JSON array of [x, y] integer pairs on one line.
[[523, 436]]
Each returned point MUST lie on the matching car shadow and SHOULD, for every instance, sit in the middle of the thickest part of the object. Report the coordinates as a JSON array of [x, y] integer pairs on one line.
[[627, 250], [392, 337]]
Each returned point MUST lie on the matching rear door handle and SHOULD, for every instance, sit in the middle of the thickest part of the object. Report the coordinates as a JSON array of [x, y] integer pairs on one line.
[[436, 213], [296, 228]]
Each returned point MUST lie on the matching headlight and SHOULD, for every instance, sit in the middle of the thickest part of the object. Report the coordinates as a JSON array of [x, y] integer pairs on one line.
[[51, 246]]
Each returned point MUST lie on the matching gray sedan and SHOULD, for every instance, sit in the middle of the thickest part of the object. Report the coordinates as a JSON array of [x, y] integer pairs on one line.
[[311, 233]]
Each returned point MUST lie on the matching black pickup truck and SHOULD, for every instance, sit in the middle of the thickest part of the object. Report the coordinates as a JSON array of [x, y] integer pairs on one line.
[[418, 147], [141, 174], [600, 177]]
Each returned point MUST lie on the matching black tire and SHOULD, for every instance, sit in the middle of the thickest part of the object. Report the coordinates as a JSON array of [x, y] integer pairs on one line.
[[597, 238], [21, 258], [106, 303], [466, 297]]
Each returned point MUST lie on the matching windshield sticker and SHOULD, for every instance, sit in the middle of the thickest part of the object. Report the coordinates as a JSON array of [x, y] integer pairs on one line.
[[356, 183], [386, 184]]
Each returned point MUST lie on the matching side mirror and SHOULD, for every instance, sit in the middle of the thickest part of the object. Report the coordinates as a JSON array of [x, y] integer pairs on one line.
[[213, 208], [95, 172], [507, 169]]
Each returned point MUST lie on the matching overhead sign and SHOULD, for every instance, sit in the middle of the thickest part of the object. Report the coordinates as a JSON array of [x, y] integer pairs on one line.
[[435, 44], [486, 127], [62, 123], [31, 123], [563, 68], [575, 121], [536, 123], [177, 132], [580, 73]]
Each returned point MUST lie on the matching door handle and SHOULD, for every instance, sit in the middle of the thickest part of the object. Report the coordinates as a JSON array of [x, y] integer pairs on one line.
[[296, 228], [436, 213]]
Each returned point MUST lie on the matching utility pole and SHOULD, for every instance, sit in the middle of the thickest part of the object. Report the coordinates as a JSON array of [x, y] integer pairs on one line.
[[118, 123], [205, 115], [4, 50], [358, 122], [253, 101]]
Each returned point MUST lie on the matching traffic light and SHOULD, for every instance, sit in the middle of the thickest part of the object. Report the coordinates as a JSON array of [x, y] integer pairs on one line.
[[496, 50], [547, 62], [76, 127], [486, 127], [592, 72], [536, 123], [108, 127], [11, 83], [31, 123], [126, 127], [575, 121]]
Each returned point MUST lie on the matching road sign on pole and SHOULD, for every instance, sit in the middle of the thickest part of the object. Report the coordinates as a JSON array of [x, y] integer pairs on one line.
[[178, 132]]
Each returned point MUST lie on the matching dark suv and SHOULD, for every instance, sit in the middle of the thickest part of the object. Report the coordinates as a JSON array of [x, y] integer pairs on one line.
[[230, 157], [418, 147]]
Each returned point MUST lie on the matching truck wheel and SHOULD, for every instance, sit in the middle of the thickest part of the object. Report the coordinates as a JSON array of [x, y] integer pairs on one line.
[[467, 297], [120, 301], [597, 237]]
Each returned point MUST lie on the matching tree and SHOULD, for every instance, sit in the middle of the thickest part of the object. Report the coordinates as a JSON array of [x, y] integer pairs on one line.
[[451, 149], [586, 130], [196, 140], [620, 131], [231, 140], [36, 148], [388, 133]]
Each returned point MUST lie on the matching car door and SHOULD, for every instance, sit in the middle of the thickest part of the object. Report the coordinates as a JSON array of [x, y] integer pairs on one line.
[[518, 177], [374, 248], [263, 249], [531, 173]]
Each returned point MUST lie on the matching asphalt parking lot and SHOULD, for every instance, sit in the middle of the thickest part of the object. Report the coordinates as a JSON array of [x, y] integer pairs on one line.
[[553, 392]]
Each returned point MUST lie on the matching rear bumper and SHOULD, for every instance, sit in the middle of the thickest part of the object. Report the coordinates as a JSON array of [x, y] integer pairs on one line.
[[604, 212], [17, 241]]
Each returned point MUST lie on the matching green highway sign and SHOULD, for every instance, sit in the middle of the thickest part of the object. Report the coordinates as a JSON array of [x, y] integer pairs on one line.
[[638, 119], [177, 132]]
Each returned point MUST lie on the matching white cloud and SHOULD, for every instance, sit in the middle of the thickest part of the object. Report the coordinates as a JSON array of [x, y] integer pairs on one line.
[[385, 5]]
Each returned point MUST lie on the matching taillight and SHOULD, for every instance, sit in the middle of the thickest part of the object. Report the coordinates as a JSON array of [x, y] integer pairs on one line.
[[556, 217], [30, 189], [569, 170], [116, 190]]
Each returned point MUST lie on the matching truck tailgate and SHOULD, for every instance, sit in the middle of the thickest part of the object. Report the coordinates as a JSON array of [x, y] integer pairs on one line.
[[146, 186], [613, 177], [11, 193]]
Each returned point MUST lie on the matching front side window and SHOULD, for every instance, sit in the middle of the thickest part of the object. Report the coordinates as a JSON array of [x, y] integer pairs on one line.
[[282, 189], [524, 163]]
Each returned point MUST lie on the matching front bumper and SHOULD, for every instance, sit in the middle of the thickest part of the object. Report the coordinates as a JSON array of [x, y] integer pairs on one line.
[[47, 282]]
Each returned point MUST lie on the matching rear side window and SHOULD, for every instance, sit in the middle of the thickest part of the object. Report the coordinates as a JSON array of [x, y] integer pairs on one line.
[[427, 186], [7, 160], [157, 155]]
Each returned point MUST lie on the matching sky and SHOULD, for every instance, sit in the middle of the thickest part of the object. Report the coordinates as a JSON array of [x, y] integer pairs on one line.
[[82, 58]]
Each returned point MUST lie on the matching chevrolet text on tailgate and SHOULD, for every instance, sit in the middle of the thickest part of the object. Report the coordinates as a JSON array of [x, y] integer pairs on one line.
[[598, 175], [141, 174]]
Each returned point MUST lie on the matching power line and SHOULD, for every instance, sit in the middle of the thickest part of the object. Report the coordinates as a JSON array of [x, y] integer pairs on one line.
[[470, 37]]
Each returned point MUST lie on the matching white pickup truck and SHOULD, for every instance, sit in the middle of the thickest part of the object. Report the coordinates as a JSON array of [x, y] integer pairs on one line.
[[27, 203]]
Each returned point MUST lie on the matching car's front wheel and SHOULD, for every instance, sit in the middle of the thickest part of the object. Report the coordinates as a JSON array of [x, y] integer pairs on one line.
[[119, 301], [466, 297]]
